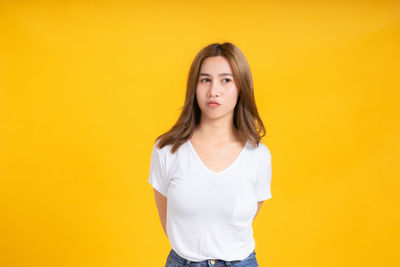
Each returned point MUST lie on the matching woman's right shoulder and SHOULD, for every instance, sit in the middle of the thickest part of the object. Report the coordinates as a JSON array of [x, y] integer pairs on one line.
[[163, 150]]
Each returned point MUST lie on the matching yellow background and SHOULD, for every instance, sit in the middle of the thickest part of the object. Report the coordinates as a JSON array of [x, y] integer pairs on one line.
[[86, 86]]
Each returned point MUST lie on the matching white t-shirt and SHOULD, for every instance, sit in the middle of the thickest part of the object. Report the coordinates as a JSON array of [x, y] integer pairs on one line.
[[210, 214]]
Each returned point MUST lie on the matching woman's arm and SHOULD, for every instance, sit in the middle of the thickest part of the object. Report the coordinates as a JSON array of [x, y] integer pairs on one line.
[[161, 202], [259, 204]]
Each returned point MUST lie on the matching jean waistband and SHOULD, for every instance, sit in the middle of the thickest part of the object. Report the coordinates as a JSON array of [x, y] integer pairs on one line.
[[182, 260]]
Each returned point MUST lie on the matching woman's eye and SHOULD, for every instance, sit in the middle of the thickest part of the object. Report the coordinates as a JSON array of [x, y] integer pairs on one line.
[[208, 80]]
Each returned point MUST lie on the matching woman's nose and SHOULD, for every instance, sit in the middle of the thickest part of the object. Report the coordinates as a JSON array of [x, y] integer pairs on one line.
[[213, 90]]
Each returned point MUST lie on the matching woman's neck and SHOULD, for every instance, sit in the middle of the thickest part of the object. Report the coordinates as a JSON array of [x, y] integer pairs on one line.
[[216, 133]]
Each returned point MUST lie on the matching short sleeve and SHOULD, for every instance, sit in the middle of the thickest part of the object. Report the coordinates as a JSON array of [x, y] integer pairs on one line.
[[157, 176], [263, 181]]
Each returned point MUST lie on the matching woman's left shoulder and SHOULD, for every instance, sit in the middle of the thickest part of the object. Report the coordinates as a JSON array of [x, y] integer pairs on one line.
[[264, 149]]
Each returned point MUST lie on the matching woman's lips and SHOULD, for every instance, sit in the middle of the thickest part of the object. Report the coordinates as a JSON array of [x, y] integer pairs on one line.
[[213, 104]]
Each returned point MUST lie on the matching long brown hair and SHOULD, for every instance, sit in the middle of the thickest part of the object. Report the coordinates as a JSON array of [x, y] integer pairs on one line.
[[246, 118]]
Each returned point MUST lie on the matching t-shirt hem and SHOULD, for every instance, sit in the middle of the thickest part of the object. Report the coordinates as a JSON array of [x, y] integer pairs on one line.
[[158, 188], [264, 198]]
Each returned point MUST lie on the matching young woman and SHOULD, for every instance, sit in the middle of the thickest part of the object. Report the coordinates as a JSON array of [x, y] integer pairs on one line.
[[210, 172]]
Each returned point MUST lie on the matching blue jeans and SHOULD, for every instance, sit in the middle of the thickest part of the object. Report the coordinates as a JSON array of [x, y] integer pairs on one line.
[[174, 260]]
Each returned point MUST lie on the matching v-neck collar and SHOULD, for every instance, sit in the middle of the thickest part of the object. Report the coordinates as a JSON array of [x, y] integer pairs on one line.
[[224, 170]]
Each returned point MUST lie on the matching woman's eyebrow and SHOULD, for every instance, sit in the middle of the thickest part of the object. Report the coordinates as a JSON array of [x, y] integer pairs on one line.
[[221, 74]]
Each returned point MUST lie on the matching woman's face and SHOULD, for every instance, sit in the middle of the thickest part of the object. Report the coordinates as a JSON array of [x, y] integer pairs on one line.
[[216, 83]]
